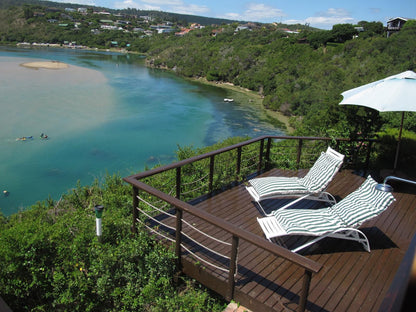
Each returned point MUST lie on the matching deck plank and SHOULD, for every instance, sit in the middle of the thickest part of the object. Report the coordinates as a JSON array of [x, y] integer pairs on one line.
[[351, 278]]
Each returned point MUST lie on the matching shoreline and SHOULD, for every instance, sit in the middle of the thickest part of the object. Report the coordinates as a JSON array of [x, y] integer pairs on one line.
[[279, 118], [254, 97]]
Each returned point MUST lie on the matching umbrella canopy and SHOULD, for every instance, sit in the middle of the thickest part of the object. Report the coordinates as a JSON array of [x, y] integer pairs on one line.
[[392, 94]]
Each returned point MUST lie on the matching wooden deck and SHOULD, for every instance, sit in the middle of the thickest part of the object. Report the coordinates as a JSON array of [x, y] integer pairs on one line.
[[3, 306], [351, 279]]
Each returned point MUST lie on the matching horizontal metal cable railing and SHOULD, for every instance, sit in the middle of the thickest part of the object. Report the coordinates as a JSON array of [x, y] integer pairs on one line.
[[186, 233]]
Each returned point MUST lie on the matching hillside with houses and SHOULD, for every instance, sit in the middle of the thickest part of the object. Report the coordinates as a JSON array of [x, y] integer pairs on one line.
[[51, 258], [68, 24], [299, 71]]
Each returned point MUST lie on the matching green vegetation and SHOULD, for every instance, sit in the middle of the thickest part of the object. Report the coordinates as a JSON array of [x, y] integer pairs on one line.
[[52, 261], [51, 258], [49, 254], [300, 80], [385, 152], [299, 74]]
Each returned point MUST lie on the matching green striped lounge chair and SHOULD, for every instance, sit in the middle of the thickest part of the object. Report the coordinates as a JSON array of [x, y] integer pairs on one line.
[[311, 186], [339, 221]]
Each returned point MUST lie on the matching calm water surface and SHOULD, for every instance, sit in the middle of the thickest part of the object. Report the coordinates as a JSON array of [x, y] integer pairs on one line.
[[106, 113]]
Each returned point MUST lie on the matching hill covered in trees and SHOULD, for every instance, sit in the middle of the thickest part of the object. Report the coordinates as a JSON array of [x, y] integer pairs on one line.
[[301, 75], [49, 254], [176, 17], [300, 71]]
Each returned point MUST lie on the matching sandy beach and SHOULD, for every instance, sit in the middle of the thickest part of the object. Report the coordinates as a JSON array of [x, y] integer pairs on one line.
[[32, 89], [46, 65]]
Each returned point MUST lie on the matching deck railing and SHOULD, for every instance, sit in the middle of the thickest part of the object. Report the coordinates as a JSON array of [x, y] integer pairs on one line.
[[229, 166]]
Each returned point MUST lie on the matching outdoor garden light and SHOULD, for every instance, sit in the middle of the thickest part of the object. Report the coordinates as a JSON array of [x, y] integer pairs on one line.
[[387, 188], [98, 214]]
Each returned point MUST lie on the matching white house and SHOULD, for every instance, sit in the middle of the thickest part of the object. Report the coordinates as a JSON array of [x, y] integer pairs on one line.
[[395, 24]]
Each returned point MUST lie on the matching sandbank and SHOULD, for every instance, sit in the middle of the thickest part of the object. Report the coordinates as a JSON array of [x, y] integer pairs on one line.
[[46, 65]]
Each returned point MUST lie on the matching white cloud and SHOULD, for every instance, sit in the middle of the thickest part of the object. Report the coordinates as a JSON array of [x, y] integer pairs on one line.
[[326, 19], [164, 2], [334, 12], [257, 12], [232, 16], [375, 10], [174, 6], [81, 2], [135, 5], [191, 9], [262, 12]]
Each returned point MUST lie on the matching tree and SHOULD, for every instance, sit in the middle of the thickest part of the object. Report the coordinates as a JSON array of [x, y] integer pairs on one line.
[[372, 27], [28, 11], [343, 32], [319, 38]]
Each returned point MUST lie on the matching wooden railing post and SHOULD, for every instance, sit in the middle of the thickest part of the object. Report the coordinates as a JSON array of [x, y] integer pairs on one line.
[[367, 159], [305, 290], [337, 142], [268, 147], [178, 182], [135, 211], [260, 156], [299, 153], [238, 163], [211, 173], [233, 268], [178, 239]]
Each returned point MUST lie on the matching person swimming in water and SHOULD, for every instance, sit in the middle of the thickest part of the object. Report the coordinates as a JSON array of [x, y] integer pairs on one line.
[[24, 138]]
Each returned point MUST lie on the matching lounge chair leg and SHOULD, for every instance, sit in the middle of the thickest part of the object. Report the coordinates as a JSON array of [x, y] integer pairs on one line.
[[354, 235], [262, 209], [281, 242], [327, 197], [364, 241]]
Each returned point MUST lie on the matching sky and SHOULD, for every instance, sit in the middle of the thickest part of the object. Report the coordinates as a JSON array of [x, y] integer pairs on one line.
[[320, 14]]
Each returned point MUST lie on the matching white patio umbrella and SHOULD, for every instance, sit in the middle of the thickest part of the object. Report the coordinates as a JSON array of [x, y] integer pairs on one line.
[[392, 94]]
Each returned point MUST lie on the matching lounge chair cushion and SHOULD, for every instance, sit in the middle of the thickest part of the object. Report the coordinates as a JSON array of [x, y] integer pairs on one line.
[[359, 206], [269, 186], [321, 173], [363, 204], [315, 181], [307, 221], [339, 221]]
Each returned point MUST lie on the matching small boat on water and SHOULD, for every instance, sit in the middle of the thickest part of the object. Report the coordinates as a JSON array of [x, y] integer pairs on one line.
[[228, 100]]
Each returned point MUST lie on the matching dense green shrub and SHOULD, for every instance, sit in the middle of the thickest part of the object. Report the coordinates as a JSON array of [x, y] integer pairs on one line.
[[51, 259], [386, 151]]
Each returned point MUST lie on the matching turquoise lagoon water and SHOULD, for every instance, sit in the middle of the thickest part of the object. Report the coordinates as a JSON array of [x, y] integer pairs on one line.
[[106, 113]]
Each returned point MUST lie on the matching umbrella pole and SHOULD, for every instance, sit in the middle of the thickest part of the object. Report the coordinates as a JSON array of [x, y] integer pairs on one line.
[[398, 144]]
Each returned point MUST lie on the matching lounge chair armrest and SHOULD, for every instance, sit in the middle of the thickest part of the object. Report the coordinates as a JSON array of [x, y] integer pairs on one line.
[[335, 154], [271, 227], [253, 193]]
